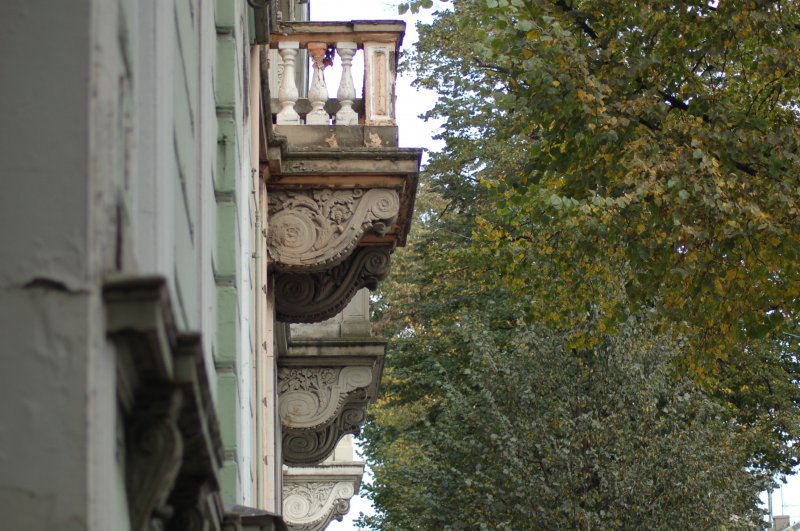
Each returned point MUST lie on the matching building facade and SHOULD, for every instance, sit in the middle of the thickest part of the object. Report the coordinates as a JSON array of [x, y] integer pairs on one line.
[[190, 221]]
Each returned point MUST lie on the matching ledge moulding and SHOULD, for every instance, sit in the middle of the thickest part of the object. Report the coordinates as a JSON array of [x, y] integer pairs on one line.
[[311, 230]]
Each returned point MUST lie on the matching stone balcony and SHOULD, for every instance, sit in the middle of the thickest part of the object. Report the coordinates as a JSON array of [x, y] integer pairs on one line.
[[341, 191]]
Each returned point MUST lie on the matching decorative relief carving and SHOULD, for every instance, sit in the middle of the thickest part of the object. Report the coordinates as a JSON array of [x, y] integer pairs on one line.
[[310, 230], [310, 447], [311, 397], [153, 454], [311, 506], [314, 297]]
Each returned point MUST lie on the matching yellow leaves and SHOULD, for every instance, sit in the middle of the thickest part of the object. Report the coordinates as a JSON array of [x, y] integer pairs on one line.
[[556, 83], [718, 287], [774, 240], [585, 97]]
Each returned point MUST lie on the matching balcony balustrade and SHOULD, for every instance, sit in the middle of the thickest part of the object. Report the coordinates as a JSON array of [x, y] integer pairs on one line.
[[378, 41], [341, 191]]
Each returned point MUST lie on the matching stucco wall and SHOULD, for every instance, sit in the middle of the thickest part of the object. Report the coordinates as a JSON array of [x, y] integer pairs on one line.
[[123, 151], [64, 163]]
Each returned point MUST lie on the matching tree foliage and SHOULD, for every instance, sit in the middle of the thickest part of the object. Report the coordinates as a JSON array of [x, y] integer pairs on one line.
[[656, 144], [604, 272], [512, 429]]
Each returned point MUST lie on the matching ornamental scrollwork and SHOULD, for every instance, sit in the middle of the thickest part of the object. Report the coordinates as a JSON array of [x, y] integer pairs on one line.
[[311, 447], [311, 397], [154, 449], [310, 506], [312, 297], [312, 230]]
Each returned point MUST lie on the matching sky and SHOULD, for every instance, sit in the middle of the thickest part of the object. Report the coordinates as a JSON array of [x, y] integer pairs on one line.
[[414, 132]]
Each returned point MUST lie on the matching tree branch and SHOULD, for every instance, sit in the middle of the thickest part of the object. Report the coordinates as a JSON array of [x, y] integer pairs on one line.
[[587, 29]]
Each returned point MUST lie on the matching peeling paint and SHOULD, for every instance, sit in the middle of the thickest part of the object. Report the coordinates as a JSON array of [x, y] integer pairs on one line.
[[332, 142]]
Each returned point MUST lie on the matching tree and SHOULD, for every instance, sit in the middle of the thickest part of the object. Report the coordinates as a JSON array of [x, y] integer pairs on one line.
[[656, 144], [615, 208], [509, 428]]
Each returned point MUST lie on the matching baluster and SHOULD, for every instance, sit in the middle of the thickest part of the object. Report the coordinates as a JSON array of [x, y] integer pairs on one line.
[[379, 70], [318, 95], [288, 94], [347, 92]]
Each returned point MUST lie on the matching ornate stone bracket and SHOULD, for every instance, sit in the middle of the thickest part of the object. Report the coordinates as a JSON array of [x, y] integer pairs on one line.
[[195, 496], [311, 506], [313, 496], [312, 297], [173, 449], [310, 447], [311, 397], [324, 387], [154, 448], [315, 229]]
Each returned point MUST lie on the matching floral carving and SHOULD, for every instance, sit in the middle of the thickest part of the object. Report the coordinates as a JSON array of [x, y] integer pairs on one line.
[[311, 230], [306, 379]]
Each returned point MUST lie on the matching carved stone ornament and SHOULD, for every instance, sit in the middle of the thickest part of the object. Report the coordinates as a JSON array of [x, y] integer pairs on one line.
[[170, 434], [311, 506], [153, 458], [311, 397], [310, 447], [311, 230], [314, 297]]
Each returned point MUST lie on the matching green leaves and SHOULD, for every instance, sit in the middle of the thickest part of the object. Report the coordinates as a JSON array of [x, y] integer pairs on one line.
[[602, 161], [520, 431]]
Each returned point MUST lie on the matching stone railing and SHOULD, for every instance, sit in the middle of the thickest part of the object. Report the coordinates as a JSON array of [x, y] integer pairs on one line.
[[379, 42]]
